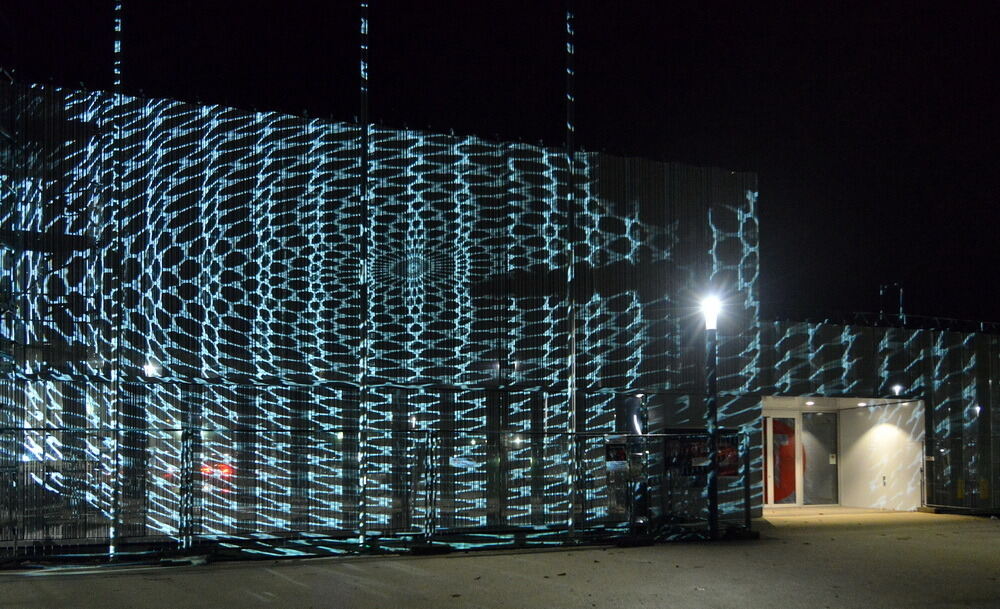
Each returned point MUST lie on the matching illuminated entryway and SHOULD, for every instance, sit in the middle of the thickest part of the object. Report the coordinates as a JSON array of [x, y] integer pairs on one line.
[[856, 452]]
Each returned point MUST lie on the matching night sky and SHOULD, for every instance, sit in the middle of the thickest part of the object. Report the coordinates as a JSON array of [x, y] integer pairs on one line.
[[872, 126]]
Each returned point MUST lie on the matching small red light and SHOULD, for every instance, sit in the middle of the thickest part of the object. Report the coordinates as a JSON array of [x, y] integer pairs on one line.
[[206, 469], [224, 469]]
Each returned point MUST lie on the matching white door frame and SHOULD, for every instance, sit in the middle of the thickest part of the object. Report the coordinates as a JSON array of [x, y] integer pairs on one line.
[[769, 416]]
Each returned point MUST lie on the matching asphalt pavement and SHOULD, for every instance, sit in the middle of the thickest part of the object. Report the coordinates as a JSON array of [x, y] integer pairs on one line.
[[808, 558]]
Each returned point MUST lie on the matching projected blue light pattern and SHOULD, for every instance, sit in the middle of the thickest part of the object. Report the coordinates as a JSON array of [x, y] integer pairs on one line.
[[226, 324], [294, 325]]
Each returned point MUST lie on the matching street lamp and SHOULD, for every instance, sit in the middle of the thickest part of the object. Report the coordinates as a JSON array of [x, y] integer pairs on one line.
[[711, 306]]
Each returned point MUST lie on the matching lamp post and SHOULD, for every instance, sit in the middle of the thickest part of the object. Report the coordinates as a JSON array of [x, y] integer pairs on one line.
[[710, 308]]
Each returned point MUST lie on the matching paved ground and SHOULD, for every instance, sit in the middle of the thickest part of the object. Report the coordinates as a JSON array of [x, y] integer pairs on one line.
[[811, 558]]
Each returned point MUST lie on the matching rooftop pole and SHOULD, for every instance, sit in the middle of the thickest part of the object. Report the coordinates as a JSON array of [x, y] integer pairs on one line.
[[364, 270], [116, 88], [116, 69], [571, 389]]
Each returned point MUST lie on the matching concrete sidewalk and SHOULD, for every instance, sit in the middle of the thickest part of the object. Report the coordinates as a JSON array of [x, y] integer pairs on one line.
[[812, 558]]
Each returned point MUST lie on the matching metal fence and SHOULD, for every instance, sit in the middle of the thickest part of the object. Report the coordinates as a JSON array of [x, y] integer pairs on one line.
[[241, 493]]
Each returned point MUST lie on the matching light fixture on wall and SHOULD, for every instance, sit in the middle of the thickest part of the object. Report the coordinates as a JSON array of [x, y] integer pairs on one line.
[[897, 389], [810, 403]]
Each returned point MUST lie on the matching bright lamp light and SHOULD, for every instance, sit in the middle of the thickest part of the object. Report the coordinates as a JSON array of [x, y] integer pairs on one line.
[[711, 306]]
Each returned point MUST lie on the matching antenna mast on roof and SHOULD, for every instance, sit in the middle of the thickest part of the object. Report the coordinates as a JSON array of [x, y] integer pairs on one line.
[[571, 263], [365, 280], [882, 289], [116, 68]]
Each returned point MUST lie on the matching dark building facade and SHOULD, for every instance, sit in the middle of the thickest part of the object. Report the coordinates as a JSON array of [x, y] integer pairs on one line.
[[221, 325]]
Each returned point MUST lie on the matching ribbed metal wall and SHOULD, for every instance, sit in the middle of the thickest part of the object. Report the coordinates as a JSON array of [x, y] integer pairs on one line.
[[189, 287], [223, 291]]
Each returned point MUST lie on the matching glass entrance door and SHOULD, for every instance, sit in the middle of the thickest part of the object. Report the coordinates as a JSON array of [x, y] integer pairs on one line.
[[800, 458], [819, 458]]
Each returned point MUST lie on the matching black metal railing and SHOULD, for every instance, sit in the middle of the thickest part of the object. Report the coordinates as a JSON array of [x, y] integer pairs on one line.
[[876, 319], [133, 493]]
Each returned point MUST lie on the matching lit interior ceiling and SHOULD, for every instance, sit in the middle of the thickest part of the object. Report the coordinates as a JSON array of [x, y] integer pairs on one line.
[[823, 404]]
